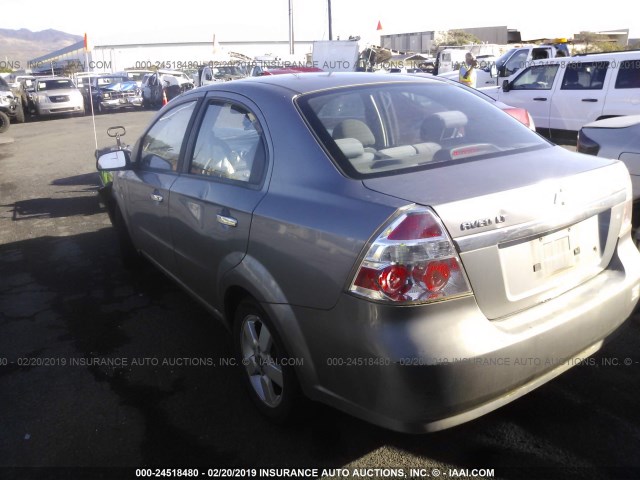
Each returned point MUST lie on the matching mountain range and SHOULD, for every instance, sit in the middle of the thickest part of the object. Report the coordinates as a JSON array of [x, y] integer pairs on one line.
[[19, 46]]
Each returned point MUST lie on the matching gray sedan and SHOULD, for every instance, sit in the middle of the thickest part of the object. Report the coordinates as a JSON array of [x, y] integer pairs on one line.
[[393, 246]]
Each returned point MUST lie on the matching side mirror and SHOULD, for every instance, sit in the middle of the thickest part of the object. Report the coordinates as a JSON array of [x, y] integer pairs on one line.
[[115, 160], [506, 86], [493, 71]]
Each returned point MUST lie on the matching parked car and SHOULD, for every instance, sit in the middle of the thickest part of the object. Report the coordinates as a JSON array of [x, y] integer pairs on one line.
[[563, 94], [618, 138], [262, 70], [21, 87], [10, 107], [110, 92], [55, 96], [391, 245], [167, 83], [136, 75], [211, 74]]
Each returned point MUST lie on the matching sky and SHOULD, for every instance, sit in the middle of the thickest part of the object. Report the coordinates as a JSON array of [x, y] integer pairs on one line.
[[198, 20]]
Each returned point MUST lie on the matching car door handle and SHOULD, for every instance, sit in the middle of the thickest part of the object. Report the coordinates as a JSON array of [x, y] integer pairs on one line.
[[156, 197], [540, 99], [593, 100], [229, 221]]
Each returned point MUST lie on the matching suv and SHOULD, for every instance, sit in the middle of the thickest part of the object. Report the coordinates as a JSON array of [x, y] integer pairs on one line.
[[563, 94], [57, 95]]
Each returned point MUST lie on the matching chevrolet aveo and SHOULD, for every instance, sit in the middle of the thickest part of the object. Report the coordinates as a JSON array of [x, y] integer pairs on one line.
[[393, 246]]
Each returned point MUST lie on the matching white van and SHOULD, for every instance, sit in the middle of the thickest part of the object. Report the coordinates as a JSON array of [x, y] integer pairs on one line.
[[563, 94]]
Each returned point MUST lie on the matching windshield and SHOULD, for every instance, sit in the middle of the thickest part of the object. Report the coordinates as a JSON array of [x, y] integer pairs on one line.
[[123, 86], [504, 57], [103, 81], [3, 84], [382, 129], [55, 84]]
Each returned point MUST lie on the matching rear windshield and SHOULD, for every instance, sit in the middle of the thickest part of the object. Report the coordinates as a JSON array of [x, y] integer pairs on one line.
[[383, 129]]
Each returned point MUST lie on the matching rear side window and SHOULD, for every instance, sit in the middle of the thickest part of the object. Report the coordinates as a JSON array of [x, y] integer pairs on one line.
[[411, 126], [584, 76], [230, 145], [628, 74]]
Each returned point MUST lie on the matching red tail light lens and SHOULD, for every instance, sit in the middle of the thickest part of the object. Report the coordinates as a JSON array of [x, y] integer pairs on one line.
[[519, 114], [413, 260]]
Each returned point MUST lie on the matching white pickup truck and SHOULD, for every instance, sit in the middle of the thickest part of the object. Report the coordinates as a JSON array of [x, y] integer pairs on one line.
[[510, 62], [563, 94]]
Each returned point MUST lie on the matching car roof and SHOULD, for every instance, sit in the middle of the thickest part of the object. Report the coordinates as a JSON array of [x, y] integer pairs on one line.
[[591, 57], [299, 83]]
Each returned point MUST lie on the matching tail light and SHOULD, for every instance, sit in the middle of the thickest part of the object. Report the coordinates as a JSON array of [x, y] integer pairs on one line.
[[586, 145], [413, 260], [522, 115]]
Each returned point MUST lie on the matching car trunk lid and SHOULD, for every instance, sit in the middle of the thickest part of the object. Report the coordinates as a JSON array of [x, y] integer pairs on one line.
[[528, 226]]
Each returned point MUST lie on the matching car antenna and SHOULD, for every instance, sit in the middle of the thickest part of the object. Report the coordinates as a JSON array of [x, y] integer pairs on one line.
[[93, 117]]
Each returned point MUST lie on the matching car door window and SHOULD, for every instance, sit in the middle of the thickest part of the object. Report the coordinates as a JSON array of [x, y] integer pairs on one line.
[[162, 144], [628, 74], [230, 145], [537, 77], [584, 76]]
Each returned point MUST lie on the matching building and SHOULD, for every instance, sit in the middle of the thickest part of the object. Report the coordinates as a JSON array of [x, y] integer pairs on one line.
[[111, 56], [419, 42]]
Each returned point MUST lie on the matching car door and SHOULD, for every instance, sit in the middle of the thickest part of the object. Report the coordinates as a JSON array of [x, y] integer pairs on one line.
[[148, 185], [623, 89], [212, 202], [580, 97], [532, 90]]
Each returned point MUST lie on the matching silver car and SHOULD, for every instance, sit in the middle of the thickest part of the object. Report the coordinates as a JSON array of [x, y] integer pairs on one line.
[[55, 96], [393, 246]]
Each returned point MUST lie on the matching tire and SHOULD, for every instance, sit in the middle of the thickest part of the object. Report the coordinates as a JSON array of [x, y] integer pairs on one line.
[[129, 256], [4, 122], [271, 383], [20, 114]]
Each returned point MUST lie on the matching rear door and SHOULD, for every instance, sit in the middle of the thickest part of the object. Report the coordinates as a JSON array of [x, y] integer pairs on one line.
[[148, 186], [623, 92], [579, 99], [213, 200]]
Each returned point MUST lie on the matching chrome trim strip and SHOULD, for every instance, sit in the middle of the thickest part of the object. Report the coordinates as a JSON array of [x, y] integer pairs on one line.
[[537, 227]]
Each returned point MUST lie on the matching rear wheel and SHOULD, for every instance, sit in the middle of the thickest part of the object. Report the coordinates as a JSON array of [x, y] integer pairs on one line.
[[4, 122], [269, 377], [20, 114]]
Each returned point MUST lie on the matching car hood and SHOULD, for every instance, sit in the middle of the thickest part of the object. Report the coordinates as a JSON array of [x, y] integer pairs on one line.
[[59, 91]]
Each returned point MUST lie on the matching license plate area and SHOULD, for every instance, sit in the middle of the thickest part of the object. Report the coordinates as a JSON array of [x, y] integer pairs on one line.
[[563, 258]]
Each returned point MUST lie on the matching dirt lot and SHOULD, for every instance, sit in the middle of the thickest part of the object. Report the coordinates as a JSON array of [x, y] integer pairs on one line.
[[67, 307]]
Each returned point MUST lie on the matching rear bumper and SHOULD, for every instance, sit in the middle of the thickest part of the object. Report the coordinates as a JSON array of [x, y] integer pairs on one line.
[[425, 368]]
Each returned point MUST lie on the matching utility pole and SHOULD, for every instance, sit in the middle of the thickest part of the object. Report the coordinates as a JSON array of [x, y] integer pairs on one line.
[[329, 10], [291, 47]]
